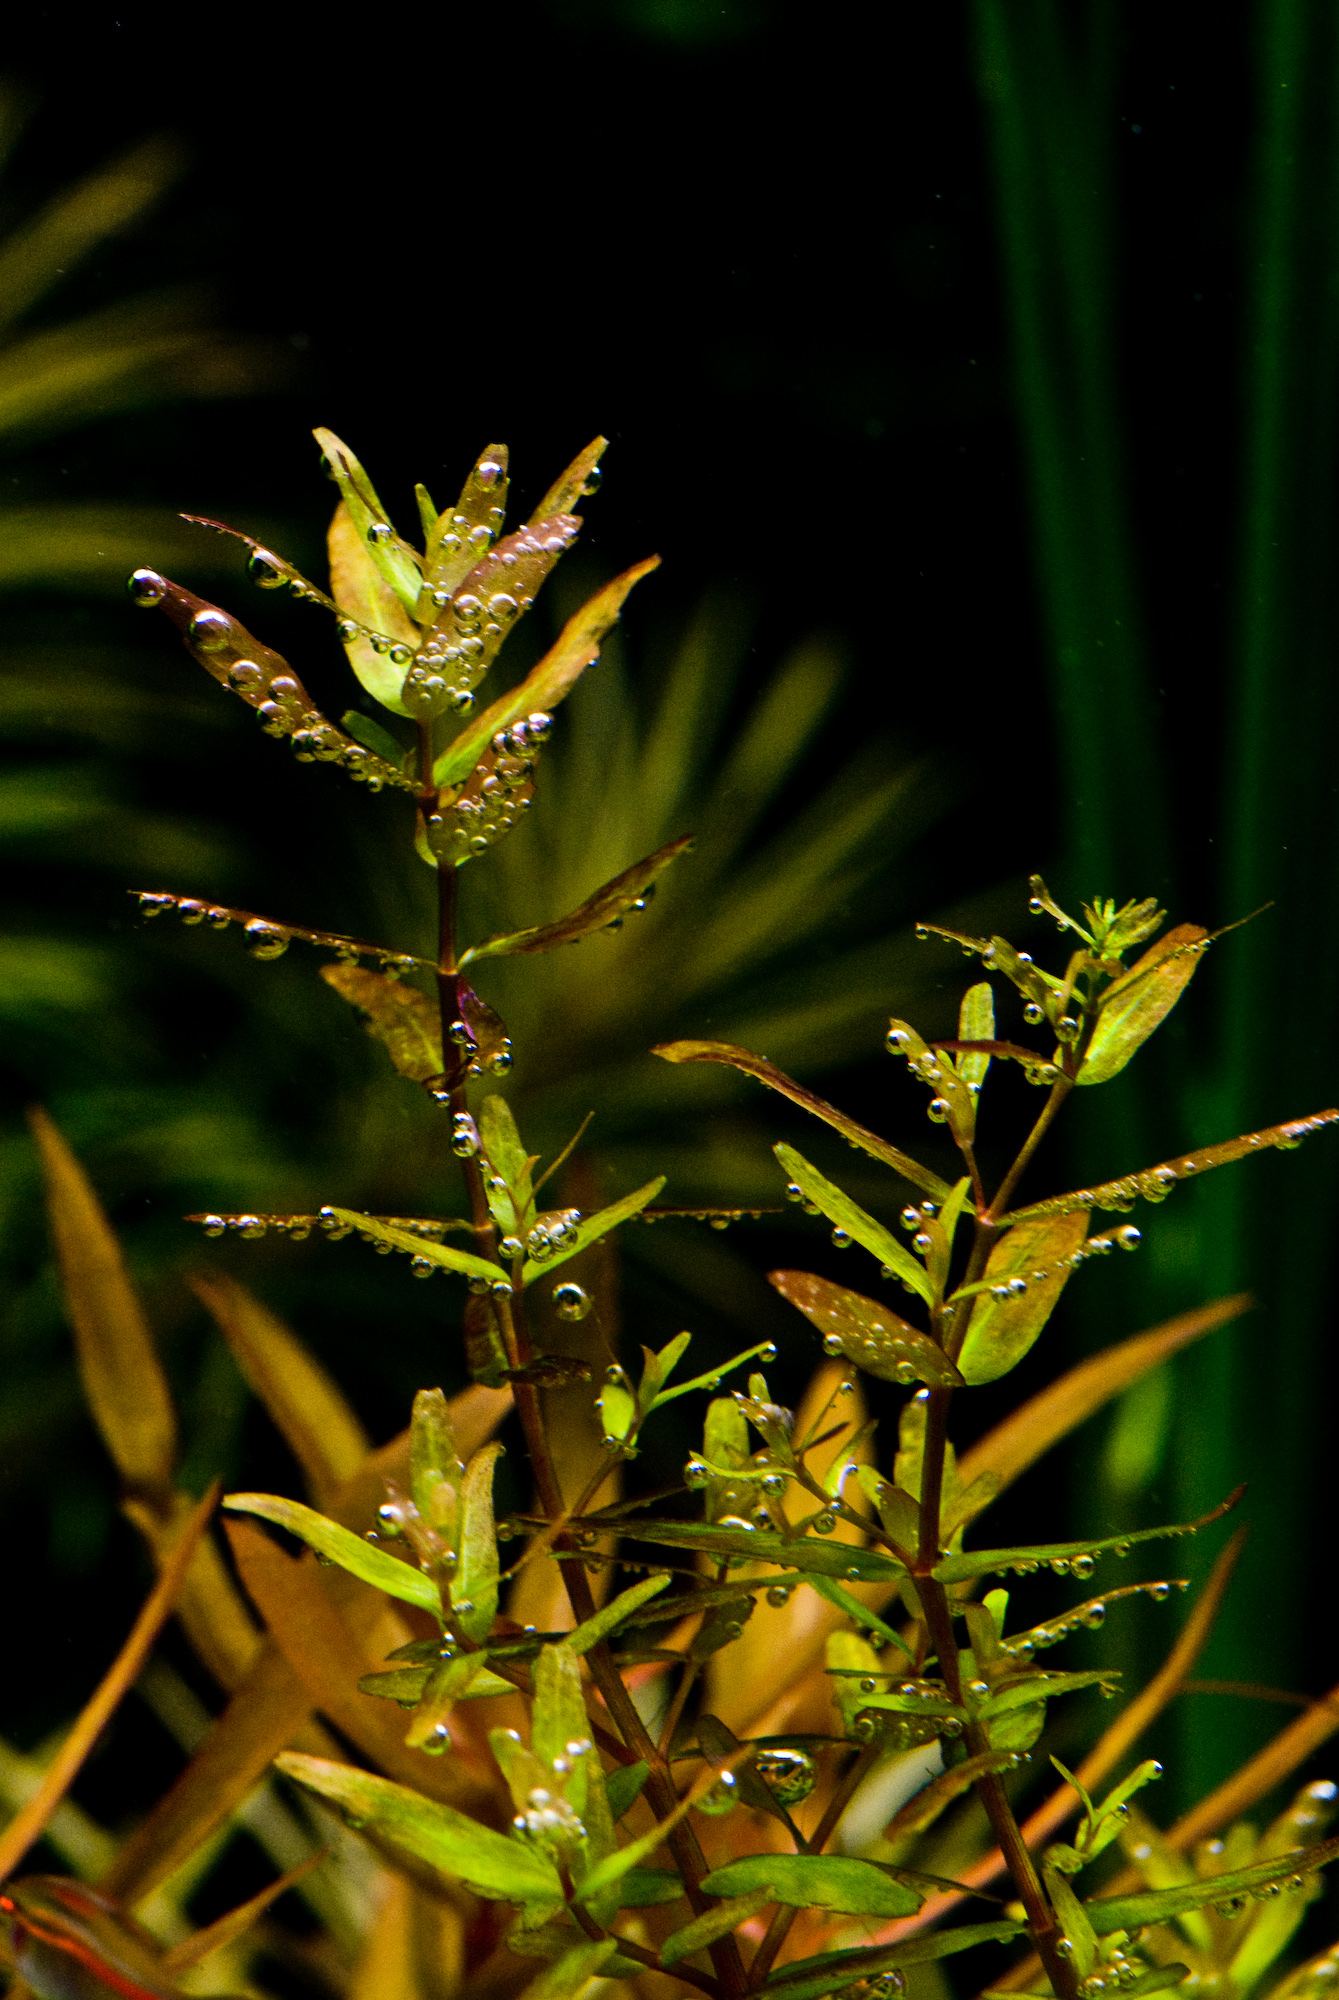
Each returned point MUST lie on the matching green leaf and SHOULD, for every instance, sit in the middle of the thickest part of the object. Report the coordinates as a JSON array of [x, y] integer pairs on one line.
[[1001, 1331], [340, 1546], [1073, 1920], [366, 730], [447, 1683], [807, 1978], [976, 1023], [802, 1552], [1155, 1906], [559, 1714], [490, 1864], [435, 1471], [713, 1924], [407, 1684], [402, 1019], [577, 647], [871, 1335], [642, 1887], [710, 1379], [982, 1562], [395, 560], [603, 911], [848, 1215], [1158, 1980], [656, 1370], [611, 1616], [775, 1079], [936, 1069], [515, 1215], [362, 594], [817, 1882], [624, 1787], [1133, 1006], [474, 1587], [830, 1589], [592, 1227], [421, 1246], [567, 1976]]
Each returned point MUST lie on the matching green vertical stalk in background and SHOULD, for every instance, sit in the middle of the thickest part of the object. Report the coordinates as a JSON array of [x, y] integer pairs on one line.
[[1281, 843], [1246, 1403]]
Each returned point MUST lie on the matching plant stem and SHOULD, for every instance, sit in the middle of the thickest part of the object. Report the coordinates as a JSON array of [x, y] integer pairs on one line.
[[1060, 1090]]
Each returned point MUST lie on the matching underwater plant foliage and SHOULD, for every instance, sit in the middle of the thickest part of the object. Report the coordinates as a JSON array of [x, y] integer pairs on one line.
[[766, 1731]]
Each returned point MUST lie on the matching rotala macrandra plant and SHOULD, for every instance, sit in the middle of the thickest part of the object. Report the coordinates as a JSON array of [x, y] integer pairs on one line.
[[775, 1745]]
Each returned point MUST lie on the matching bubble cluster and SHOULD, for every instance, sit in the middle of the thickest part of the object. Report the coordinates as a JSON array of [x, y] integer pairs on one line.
[[267, 939], [556, 1230]]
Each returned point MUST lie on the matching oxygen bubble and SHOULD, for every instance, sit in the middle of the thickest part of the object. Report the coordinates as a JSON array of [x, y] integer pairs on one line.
[[841, 1239], [511, 1247], [778, 1595], [1034, 1014], [422, 1267], [789, 1775], [146, 587], [266, 940], [768, 1353], [897, 1041], [154, 906], [1082, 1567], [210, 631], [1160, 1592], [265, 569], [833, 1344], [905, 1373], [823, 1524], [722, 1797], [214, 1225], [696, 1474], [380, 532], [1129, 1238], [911, 1217], [592, 483], [571, 1301], [937, 1110]]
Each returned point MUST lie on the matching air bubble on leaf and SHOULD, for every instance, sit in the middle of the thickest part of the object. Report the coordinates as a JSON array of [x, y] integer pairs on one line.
[[571, 1301], [841, 1239], [1034, 1014], [266, 940], [146, 587], [823, 1524], [723, 1796], [265, 569], [789, 1775], [696, 1474], [833, 1344], [778, 1595], [211, 631]]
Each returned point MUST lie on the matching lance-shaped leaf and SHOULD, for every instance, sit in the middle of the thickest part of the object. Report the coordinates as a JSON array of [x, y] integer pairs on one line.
[[474, 1587], [468, 819], [558, 1719], [807, 1978], [848, 1215], [409, 1685], [578, 479], [398, 564], [1002, 1330], [623, 1787], [1155, 1906], [817, 1882], [435, 1470], [444, 1686], [440, 1254], [799, 1552], [922, 1810], [603, 911], [950, 1098], [867, 1333], [341, 1546], [509, 1163], [462, 534], [367, 602], [986, 1562], [568, 1976], [1133, 1006], [1156, 1183], [267, 937], [490, 1864], [776, 1079], [470, 625], [713, 1924], [264, 680], [576, 648], [976, 1023], [610, 1616], [592, 1227], [402, 1019]]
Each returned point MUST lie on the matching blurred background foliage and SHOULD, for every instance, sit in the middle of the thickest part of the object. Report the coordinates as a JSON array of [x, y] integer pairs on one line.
[[974, 372]]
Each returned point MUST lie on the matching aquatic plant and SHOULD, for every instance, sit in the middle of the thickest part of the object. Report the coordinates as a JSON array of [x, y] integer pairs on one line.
[[769, 1729]]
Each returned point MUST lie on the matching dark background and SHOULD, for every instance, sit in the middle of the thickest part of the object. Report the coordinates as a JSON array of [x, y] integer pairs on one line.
[[995, 344]]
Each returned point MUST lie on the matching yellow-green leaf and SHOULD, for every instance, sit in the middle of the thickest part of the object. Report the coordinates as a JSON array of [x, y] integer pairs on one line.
[[817, 1882], [603, 911], [339, 1545], [487, 1862], [474, 1587], [405, 1022], [1002, 1330], [363, 594], [848, 1215], [592, 1227], [1134, 1005]]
